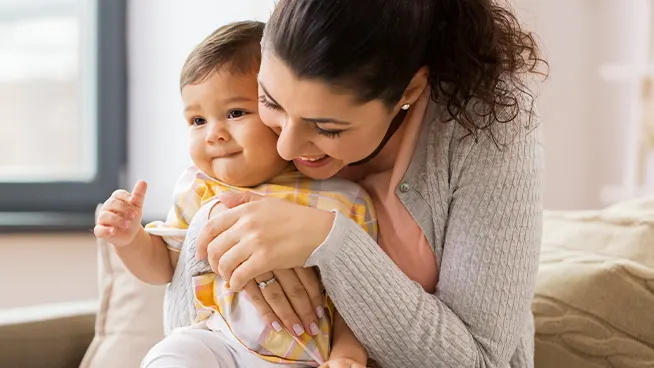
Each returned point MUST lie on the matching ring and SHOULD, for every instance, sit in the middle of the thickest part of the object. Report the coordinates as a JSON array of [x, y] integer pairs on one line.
[[263, 284]]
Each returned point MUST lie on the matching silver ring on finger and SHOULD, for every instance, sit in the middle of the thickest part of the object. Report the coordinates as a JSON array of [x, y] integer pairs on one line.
[[264, 284]]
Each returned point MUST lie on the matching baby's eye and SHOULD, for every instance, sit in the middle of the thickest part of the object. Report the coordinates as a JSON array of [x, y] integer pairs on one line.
[[198, 121], [235, 114]]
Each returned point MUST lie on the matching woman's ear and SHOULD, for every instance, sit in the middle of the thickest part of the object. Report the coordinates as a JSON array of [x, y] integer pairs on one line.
[[415, 87]]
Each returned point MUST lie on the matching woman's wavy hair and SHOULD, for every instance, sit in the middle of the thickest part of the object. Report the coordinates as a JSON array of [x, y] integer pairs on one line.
[[478, 55]]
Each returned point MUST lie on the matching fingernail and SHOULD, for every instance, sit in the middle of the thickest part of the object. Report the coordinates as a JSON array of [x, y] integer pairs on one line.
[[276, 326], [127, 224], [131, 198], [314, 329], [112, 231], [320, 312], [299, 330], [132, 215]]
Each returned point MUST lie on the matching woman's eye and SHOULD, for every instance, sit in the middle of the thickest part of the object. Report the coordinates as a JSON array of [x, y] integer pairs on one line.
[[327, 133], [235, 114], [267, 104], [198, 121]]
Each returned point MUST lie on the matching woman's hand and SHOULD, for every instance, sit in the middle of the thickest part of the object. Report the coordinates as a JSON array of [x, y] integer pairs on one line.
[[295, 298], [259, 236]]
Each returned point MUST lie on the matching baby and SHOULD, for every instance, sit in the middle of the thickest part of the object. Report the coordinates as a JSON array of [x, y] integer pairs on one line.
[[231, 150]]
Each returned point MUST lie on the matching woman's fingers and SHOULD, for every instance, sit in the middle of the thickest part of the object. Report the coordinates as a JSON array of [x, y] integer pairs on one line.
[[264, 309], [212, 229], [233, 199], [276, 298], [311, 283], [299, 299], [224, 256]]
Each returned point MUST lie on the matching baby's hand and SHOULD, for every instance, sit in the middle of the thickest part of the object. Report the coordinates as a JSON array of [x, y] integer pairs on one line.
[[119, 220], [342, 363]]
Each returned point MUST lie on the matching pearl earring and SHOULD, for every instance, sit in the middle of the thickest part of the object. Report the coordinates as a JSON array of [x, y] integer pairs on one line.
[[405, 107]]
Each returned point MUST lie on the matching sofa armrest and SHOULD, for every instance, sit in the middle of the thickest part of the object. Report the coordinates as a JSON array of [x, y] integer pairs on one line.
[[53, 335]]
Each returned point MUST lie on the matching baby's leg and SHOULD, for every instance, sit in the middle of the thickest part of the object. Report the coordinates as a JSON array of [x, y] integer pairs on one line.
[[190, 348]]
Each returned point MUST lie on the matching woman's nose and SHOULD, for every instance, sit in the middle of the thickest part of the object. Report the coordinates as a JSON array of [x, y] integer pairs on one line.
[[291, 140], [216, 132]]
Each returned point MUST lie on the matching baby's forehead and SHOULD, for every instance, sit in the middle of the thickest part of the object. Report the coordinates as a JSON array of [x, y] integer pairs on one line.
[[221, 88]]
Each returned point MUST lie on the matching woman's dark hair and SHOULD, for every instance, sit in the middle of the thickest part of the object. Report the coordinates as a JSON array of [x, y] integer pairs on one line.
[[477, 53]]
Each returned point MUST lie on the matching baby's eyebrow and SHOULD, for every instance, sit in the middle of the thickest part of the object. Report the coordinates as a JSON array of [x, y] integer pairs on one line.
[[191, 107], [239, 99]]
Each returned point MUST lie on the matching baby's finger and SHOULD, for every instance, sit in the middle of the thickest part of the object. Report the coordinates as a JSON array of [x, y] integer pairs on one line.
[[121, 195], [121, 208], [104, 232], [138, 193], [111, 219]]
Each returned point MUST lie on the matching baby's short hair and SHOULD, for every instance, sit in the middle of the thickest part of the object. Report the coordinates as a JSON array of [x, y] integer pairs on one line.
[[236, 46]]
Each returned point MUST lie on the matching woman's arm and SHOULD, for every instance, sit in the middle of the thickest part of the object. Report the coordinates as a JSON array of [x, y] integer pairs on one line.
[[487, 271]]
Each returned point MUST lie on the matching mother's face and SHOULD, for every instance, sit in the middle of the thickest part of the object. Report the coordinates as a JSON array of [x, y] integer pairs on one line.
[[321, 129]]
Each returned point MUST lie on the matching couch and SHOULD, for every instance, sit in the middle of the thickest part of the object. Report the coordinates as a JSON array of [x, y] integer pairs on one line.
[[593, 306]]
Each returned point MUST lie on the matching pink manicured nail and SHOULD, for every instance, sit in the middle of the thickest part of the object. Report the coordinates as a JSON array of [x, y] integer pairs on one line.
[[320, 312], [276, 326], [314, 329], [127, 224], [299, 330]]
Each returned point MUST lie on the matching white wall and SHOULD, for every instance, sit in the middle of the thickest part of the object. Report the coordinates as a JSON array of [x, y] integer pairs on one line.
[[47, 268], [161, 33], [586, 118]]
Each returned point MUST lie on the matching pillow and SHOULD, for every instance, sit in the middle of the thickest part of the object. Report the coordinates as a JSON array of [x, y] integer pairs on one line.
[[594, 300], [130, 316]]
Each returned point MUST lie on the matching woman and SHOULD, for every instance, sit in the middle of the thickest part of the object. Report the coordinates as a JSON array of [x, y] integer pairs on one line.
[[424, 103]]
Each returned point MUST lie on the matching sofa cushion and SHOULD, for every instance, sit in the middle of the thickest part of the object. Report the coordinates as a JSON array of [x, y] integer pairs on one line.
[[594, 302], [130, 317], [60, 333]]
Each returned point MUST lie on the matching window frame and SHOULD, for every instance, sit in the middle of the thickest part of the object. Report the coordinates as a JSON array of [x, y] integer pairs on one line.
[[70, 205]]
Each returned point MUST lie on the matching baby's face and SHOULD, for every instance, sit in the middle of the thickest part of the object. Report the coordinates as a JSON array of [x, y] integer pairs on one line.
[[227, 140]]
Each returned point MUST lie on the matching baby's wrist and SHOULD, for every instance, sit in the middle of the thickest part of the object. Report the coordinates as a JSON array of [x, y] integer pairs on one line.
[[140, 234]]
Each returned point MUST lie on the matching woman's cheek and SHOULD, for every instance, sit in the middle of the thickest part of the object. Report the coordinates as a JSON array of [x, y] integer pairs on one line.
[[270, 118]]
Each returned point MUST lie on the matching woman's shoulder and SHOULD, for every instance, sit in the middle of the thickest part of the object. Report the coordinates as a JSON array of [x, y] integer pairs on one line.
[[444, 140], [447, 152]]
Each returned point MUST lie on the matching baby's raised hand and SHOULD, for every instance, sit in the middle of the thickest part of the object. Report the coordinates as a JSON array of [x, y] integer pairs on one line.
[[119, 220]]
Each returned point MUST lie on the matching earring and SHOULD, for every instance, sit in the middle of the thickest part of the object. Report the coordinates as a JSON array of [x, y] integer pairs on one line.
[[406, 106]]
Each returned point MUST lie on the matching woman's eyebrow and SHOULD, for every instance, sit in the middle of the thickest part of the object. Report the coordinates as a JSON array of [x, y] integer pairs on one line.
[[267, 94], [311, 120]]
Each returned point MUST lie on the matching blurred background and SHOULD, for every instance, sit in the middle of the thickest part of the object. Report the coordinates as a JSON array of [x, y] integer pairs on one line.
[[89, 102]]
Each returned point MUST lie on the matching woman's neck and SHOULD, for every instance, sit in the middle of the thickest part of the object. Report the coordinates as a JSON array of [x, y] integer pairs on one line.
[[384, 161]]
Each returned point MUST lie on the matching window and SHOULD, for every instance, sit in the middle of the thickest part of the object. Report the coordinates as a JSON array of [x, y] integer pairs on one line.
[[62, 110]]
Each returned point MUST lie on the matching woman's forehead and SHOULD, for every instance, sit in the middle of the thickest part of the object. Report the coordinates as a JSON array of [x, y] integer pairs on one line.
[[305, 96]]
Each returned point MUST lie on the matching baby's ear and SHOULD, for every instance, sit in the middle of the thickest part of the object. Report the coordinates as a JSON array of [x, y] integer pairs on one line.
[[233, 199]]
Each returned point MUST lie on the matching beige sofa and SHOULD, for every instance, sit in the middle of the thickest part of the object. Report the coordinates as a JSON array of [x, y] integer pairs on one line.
[[594, 303]]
